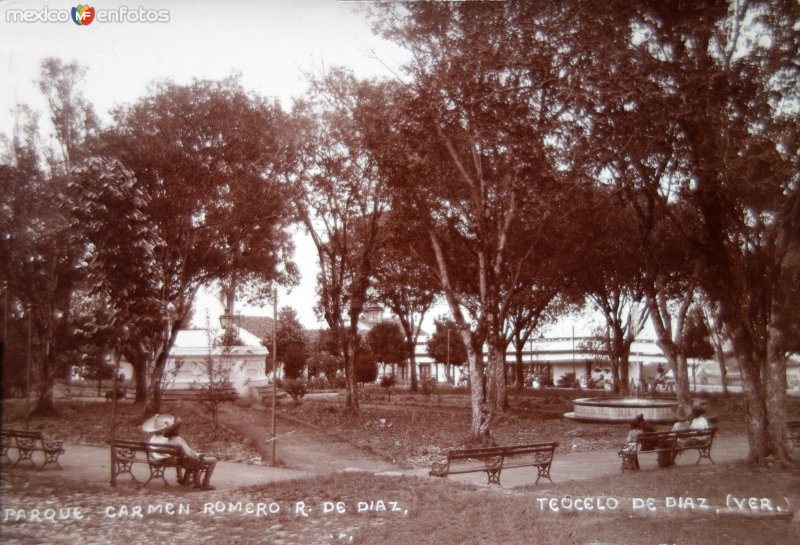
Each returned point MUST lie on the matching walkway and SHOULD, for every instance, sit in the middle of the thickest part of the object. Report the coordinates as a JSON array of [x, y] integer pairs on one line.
[[91, 464]]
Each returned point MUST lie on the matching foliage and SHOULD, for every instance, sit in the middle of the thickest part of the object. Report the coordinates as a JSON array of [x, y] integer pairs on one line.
[[292, 344], [341, 204], [366, 366], [428, 386], [446, 344], [388, 381], [387, 343], [296, 388], [196, 165]]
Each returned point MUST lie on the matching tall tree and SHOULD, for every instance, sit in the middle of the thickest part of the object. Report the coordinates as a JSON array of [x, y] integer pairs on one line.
[[722, 80], [204, 170], [43, 265], [341, 203], [486, 153], [403, 283]]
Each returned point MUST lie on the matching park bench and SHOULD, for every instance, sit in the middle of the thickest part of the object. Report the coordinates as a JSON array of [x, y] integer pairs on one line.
[[493, 460], [793, 429], [668, 441], [158, 457], [28, 443]]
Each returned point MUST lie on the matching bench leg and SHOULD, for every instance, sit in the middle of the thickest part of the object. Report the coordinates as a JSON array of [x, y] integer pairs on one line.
[[25, 454], [125, 466], [705, 452], [157, 471], [51, 457], [494, 476], [544, 471]]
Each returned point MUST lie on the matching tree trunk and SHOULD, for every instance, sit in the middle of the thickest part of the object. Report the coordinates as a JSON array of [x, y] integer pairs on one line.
[[413, 366], [482, 413], [519, 372], [776, 397], [496, 377], [351, 381], [140, 376], [45, 405], [756, 416]]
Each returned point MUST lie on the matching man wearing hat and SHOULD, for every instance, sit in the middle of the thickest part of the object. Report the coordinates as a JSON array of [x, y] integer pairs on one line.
[[165, 430], [683, 417]]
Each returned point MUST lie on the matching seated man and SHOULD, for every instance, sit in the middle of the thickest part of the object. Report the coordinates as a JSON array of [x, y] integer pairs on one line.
[[167, 432]]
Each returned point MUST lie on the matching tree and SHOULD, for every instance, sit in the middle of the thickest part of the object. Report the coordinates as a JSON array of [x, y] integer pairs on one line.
[[43, 260], [722, 80], [403, 284], [485, 151], [211, 163], [366, 366], [216, 387], [291, 343], [387, 344], [341, 204], [446, 346]]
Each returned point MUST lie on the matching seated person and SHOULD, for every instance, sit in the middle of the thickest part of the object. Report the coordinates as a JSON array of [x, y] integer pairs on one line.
[[167, 432], [699, 421], [637, 427], [156, 426], [683, 416]]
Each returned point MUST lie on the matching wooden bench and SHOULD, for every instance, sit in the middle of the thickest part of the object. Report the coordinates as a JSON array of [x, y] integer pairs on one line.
[[28, 443], [158, 457], [493, 460], [675, 442], [793, 431]]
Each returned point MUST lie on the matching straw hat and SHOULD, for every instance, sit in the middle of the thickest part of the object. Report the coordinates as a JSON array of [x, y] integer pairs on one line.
[[159, 423], [682, 411]]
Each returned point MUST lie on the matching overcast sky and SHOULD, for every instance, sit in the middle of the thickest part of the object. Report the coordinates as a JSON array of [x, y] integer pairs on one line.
[[271, 43]]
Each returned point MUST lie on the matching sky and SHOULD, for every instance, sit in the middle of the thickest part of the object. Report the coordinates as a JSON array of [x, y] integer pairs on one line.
[[272, 44]]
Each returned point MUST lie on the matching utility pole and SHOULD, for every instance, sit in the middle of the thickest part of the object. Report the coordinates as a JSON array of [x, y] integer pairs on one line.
[[274, 367]]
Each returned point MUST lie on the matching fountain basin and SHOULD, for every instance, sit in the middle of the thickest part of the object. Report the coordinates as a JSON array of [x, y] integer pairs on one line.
[[620, 409]]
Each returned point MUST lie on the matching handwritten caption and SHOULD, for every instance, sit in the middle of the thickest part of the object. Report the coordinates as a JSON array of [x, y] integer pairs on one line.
[[301, 509], [730, 504]]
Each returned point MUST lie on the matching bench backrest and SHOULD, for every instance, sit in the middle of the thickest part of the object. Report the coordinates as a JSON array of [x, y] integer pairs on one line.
[[23, 434], [655, 436], [147, 448], [543, 449]]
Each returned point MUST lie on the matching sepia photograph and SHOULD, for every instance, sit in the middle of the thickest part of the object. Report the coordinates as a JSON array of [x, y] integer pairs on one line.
[[377, 272]]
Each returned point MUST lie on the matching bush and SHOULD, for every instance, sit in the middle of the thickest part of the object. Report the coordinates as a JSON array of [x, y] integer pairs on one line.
[[387, 381], [296, 388], [428, 386]]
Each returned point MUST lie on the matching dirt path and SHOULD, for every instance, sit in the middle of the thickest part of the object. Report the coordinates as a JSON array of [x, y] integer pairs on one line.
[[299, 447]]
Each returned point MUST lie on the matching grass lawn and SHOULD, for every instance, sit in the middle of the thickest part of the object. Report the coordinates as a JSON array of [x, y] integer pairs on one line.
[[727, 504]]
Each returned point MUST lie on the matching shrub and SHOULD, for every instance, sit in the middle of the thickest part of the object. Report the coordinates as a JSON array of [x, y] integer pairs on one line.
[[428, 386], [387, 381], [296, 388]]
